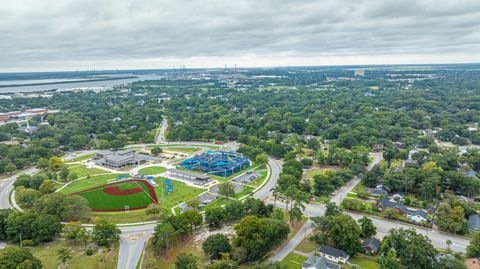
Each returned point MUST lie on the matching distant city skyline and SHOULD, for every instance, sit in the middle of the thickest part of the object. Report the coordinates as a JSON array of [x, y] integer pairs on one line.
[[74, 35]]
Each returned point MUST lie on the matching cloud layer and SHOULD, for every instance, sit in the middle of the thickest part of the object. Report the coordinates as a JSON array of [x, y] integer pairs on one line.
[[83, 34]]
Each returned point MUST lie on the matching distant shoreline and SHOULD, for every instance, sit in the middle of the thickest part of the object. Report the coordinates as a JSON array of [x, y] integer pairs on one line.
[[66, 82]]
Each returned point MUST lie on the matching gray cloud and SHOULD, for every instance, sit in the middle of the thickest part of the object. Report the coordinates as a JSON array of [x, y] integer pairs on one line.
[[52, 34]]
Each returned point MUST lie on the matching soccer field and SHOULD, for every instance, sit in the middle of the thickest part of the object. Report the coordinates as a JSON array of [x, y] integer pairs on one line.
[[116, 196]]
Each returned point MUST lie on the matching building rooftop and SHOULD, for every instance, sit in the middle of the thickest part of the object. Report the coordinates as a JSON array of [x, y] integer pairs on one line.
[[318, 262], [474, 222], [334, 252]]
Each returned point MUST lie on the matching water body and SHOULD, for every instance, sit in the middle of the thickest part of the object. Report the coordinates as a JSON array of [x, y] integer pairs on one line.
[[64, 84]]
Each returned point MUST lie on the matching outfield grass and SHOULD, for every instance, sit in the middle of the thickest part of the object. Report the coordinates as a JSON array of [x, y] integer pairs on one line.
[[83, 171], [294, 261], [86, 183], [99, 200], [183, 150], [181, 192], [81, 158], [123, 217], [47, 253], [153, 170]]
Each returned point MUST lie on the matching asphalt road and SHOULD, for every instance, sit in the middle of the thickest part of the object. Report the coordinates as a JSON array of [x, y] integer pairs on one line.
[[6, 187], [266, 190], [161, 134]]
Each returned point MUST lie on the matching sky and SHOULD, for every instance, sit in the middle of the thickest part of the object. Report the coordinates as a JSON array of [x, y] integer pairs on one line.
[[49, 35]]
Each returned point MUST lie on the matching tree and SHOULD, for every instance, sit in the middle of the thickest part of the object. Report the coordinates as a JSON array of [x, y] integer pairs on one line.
[[64, 172], [226, 189], [332, 209], [389, 261], [194, 218], [76, 232], [21, 258], [215, 216], [186, 261], [64, 255], [22, 181], [367, 227], [215, 245], [45, 228], [343, 231], [47, 187], [473, 249], [413, 250], [55, 163], [258, 235], [4, 213], [26, 197], [261, 158], [235, 210], [67, 208], [20, 223], [105, 233], [153, 209], [156, 150], [223, 264], [194, 203], [163, 236], [451, 219], [295, 214]]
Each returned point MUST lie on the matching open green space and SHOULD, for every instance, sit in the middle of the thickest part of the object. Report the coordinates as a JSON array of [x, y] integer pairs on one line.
[[183, 150], [307, 246], [365, 262], [294, 261], [102, 259], [83, 171], [181, 192], [86, 183], [123, 217], [153, 170], [99, 200], [81, 158]]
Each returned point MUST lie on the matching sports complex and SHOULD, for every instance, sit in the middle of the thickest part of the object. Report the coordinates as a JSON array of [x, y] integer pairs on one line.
[[168, 183]]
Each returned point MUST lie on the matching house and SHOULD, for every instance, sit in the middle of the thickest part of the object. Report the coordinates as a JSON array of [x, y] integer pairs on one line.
[[417, 216], [399, 145], [333, 254], [318, 262], [378, 191], [398, 196], [378, 146], [412, 163], [474, 223], [371, 245]]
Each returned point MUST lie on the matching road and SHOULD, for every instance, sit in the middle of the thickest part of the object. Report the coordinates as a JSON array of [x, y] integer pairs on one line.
[[6, 187], [438, 239], [266, 190], [131, 249], [160, 139]]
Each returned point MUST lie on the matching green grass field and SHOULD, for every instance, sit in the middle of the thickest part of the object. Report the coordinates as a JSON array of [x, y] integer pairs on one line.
[[294, 261], [183, 150], [86, 183], [99, 200], [153, 170], [83, 171], [181, 193], [81, 158]]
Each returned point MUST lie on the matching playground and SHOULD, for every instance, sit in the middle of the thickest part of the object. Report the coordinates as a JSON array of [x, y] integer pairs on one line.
[[217, 162]]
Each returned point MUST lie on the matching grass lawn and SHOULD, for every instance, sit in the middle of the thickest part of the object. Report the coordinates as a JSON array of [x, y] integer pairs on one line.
[[123, 217], [181, 192], [294, 261], [47, 253], [151, 260], [183, 150], [83, 171], [86, 183], [153, 170], [246, 190], [365, 262], [81, 158], [307, 246], [99, 200], [259, 180]]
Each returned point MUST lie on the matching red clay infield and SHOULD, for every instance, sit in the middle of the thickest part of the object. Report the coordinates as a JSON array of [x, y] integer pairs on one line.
[[115, 190]]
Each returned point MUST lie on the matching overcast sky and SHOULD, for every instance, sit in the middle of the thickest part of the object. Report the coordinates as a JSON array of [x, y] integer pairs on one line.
[[129, 34]]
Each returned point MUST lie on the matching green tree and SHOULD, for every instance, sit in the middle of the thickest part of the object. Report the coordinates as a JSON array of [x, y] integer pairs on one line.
[[215, 245], [76, 232], [261, 158], [153, 209], [473, 249], [194, 218], [186, 261], [215, 216], [235, 210], [164, 236], [389, 261], [26, 198], [47, 187], [223, 264], [367, 227], [105, 233], [45, 228], [64, 255], [156, 150], [226, 189], [55, 163], [21, 258]]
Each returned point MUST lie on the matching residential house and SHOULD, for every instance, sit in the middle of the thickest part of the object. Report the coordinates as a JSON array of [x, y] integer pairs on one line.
[[318, 262], [412, 163], [474, 223], [333, 254], [371, 245], [399, 145], [417, 216], [378, 191]]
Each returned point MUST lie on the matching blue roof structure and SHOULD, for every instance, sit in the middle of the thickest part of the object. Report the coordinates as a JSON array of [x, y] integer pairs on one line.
[[220, 163]]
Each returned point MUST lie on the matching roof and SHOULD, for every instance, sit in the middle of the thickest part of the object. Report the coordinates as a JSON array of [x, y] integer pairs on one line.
[[318, 262], [387, 203], [372, 243], [333, 252], [187, 173], [474, 222]]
